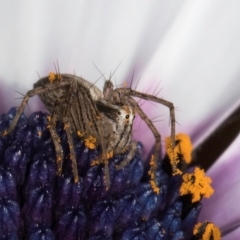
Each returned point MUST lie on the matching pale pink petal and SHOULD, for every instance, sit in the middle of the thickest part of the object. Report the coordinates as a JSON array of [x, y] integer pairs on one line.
[[223, 207], [198, 63], [233, 235]]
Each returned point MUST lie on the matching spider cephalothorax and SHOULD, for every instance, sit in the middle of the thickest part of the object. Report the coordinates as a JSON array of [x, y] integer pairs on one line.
[[124, 96]]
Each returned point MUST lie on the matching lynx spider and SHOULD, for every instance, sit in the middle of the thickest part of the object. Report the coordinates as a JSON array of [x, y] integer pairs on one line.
[[75, 101]]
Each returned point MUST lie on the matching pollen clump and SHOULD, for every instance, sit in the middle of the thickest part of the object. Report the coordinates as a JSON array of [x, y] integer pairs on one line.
[[182, 150], [151, 173], [154, 186], [206, 231], [53, 77], [196, 184], [185, 147], [90, 142], [96, 162]]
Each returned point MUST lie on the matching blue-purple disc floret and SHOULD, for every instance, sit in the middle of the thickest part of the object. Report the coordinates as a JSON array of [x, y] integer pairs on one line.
[[36, 203]]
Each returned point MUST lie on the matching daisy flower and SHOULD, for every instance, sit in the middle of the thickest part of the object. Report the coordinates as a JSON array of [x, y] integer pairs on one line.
[[191, 48]]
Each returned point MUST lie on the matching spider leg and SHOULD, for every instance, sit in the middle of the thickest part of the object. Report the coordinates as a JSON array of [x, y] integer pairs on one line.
[[132, 93], [29, 94], [90, 123], [157, 145], [56, 141], [130, 155], [69, 105], [20, 110], [71, 148]]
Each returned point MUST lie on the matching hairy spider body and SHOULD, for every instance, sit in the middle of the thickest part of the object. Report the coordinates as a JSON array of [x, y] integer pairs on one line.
[[100, 118], [70, 99], [117, 129], [125, 96]]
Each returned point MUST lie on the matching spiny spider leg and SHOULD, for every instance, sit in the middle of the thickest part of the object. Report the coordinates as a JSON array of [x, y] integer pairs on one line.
[[76, 110], [28, 95], [71, 148], [56, 140], [130, 155], [157, 145], [85, 120], [132, 93], [92, 123], [68, 129]]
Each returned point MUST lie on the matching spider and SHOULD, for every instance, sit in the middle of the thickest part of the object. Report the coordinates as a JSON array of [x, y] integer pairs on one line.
[[79, 105], [100, 118]]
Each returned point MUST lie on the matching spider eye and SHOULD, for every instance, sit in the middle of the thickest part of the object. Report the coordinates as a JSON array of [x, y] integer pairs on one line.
[[119, 113], [127, 116]]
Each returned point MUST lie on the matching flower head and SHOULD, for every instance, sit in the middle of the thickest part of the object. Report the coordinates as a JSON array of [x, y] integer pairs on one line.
[[36, 203]]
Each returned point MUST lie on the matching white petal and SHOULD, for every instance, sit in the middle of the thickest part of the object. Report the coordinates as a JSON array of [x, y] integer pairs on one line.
[[36, 34], [198, 63], [191, 46]]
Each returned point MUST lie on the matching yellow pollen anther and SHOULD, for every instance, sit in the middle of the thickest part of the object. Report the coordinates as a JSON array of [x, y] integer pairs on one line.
[[185, 147], [182, 150], [196, 184], [207, 231], [90, 142], [39, 133]]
